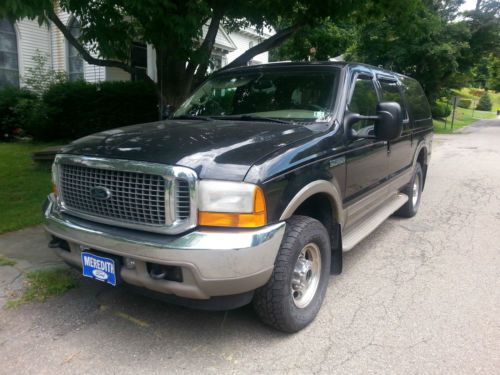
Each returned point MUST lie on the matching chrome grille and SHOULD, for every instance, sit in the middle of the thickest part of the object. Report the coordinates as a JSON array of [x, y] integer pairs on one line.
[[137, 198], [183, 199]]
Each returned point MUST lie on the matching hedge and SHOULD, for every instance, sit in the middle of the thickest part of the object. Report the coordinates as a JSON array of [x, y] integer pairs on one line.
[[464, 103], [17, 111], [71, 110]]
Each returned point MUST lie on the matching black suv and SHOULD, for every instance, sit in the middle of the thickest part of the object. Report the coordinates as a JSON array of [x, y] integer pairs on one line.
[[250, 192]]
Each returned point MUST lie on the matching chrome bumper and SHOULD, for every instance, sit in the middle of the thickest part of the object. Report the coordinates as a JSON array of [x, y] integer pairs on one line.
[[214, 262]]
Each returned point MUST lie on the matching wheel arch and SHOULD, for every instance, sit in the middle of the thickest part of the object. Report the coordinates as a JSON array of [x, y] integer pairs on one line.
[[321, 200], [422, 157], [318, 188]]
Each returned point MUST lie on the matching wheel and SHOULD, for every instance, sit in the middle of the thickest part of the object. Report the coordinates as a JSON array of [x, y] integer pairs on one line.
[[293, 295], [414, 192]]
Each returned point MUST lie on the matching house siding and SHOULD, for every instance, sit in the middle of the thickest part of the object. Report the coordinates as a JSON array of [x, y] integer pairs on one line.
[[242, 42], [91, 73], [30, 38], [58, 42], [116, 74]]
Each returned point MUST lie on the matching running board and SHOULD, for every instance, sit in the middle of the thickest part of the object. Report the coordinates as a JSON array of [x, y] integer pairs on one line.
[[360, 230]]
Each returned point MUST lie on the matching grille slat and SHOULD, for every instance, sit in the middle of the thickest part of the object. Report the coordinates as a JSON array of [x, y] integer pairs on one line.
[[183, 199], [136, 198]]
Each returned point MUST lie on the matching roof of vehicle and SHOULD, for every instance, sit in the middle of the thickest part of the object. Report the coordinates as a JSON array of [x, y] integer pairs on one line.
[[293, 64]]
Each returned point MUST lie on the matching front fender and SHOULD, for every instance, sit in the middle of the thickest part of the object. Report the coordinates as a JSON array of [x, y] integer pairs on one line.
[[331, 189]]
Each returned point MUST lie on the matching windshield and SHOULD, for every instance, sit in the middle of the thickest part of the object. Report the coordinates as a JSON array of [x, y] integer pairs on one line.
[[298, 95]]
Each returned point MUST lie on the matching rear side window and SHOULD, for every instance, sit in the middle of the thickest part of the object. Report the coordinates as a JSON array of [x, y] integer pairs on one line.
[[417, 101], [392, 93]]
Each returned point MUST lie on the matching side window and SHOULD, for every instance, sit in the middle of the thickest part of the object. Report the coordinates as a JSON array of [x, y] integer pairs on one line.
[[417, 101], [363, 101], [391, 93]]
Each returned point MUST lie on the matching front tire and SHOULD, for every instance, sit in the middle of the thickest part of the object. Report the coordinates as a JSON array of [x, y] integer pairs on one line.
[[293, 296], [414, 192]]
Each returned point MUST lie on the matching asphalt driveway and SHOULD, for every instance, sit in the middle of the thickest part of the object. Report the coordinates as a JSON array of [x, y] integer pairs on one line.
[[419, 295]]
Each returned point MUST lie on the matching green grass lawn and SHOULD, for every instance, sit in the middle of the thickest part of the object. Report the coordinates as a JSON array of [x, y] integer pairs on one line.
[[463, 117], [44, 284], [23, 186]]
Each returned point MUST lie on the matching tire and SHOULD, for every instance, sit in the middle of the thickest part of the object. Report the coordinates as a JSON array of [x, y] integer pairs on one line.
[[410, 208], [290, 307]]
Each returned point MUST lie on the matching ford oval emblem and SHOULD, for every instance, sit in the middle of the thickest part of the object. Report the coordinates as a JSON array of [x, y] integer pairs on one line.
[[100, 192], [100, 275]]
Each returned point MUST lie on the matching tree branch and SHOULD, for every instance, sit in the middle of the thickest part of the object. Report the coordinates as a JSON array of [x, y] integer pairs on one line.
[[207, 45], [275, 41], [81, 50]]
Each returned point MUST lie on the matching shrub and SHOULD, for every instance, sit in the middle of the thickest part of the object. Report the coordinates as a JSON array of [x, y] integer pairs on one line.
[[74, 109], [464, 103], [41, 76], [484, 103], [440, 110], [16, 111]]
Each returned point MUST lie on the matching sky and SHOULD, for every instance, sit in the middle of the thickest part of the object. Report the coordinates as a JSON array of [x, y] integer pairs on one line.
[[468, 5]]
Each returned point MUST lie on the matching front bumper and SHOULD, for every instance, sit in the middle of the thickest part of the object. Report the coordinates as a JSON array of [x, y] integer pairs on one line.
[[214, 262]]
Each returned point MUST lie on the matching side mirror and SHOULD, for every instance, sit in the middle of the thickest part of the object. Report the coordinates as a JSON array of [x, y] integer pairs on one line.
[[388, 122]]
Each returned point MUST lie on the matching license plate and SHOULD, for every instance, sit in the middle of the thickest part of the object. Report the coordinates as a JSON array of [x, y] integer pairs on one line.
[[99, 268]]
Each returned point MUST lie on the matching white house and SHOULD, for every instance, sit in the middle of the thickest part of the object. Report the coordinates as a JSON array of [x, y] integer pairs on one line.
[[20, 41]]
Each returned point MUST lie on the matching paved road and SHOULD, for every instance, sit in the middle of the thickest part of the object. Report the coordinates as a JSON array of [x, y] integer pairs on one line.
[[418, 296]]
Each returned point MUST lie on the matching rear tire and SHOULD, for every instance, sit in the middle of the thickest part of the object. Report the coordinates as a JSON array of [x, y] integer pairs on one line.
[[414, 192], [293, 295]]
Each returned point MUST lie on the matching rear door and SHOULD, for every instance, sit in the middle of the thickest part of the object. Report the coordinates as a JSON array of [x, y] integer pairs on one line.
[[400, 153]]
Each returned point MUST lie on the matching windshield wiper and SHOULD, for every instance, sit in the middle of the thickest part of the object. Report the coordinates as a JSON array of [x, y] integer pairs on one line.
[[259, 118], [193, 117]]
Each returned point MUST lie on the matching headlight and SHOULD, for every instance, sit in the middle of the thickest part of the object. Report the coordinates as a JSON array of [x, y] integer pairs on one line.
[[231, 204], [54, 179]]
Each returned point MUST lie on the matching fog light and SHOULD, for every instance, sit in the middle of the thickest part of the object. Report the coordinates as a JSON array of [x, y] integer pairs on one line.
[[129, 263]]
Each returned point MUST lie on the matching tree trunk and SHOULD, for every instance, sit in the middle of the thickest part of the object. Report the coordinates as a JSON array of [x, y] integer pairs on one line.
[[173, 81], [176, 78]]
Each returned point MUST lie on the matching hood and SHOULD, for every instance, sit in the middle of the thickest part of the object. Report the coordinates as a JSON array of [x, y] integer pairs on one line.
[[214, 149]]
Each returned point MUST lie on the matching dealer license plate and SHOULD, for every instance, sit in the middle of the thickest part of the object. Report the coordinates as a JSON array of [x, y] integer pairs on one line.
[[99, 268]]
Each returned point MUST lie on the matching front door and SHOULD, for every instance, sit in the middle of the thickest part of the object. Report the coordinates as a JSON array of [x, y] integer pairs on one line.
[[366, 159]]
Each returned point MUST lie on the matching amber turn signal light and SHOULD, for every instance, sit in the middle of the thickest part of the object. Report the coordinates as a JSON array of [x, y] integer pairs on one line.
[[257, 218]]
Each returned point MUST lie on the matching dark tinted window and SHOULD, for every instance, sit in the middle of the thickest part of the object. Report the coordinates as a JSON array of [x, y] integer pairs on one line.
[[392, 93], [363, 101], [139, 61], [415, 96]]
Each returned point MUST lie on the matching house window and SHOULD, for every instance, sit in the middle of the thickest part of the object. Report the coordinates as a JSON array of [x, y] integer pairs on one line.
[[9, 65], [75, 61], [139, 60], [215, 62]]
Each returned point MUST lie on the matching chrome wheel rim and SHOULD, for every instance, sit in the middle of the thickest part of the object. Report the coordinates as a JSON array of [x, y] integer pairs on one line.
[[306, 275], [416, 190]]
